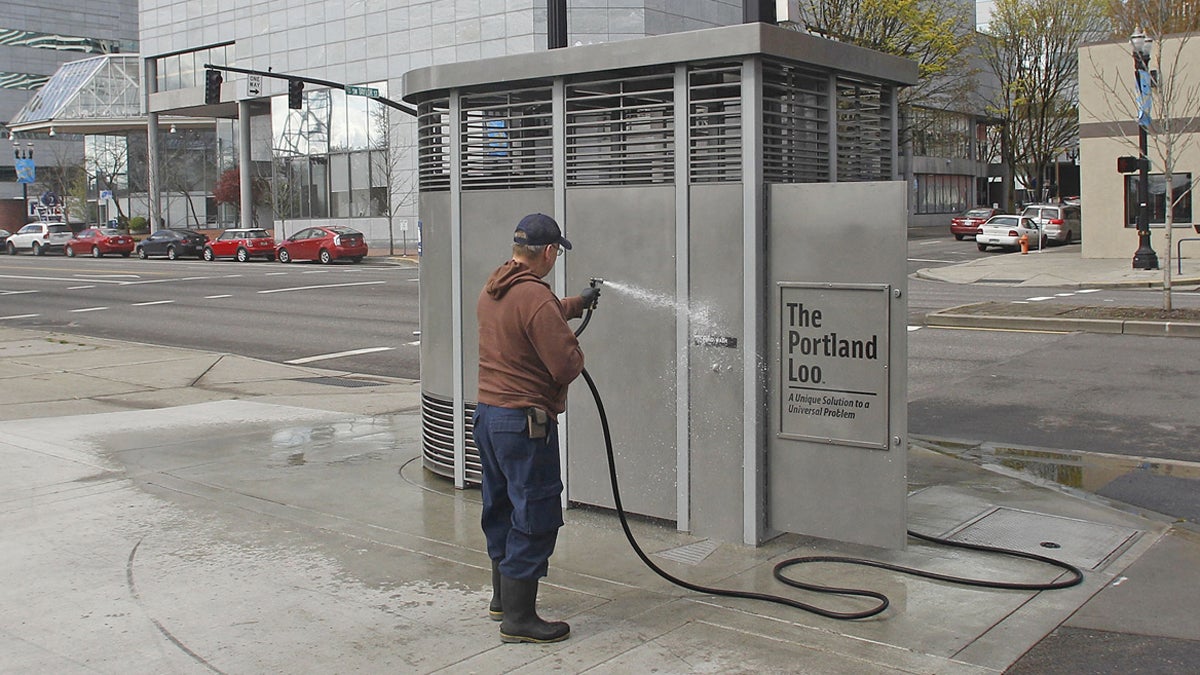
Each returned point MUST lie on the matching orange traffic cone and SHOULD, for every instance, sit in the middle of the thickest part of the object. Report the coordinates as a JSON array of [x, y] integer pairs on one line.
[[1024, 244]]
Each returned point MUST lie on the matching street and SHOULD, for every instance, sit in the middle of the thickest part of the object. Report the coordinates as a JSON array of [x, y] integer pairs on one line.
[[1101, 393]]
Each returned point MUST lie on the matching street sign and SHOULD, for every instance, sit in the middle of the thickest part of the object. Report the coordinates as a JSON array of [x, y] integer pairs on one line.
[[106, 194], [362, 91], [26, 171], [254, 85]]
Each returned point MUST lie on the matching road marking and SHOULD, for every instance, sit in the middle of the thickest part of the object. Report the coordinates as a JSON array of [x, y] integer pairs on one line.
[[910, 329], [233, 276], [1005, 330], [337, 355], [72, 280], [1040, 298], [1063, 295], [933, 260], [309, 288], [153, 302], [215, 297], [1088, 290], [414, 343], [89, 309], [315, 272], [16, 292], [80, 288], [275, 274], [18, 316]]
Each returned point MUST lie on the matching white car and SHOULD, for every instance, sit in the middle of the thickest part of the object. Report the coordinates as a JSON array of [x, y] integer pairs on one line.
[[39, 238], [1061, 222], [1006, 231]]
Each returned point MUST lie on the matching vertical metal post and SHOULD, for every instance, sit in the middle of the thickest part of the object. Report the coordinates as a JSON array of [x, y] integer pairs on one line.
[[1145, 258], [556, 24], [754, 299], [683, 450], [454, 127], [245, 167]]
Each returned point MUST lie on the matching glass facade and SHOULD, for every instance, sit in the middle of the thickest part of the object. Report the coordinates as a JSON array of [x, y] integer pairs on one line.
[[937, 193], [1158, 199]]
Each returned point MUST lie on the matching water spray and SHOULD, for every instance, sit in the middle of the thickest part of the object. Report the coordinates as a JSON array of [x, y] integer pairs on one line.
[[1075, 574]]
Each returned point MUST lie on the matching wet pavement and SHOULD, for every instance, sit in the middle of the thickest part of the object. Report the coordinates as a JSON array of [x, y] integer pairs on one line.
[[170, 510]]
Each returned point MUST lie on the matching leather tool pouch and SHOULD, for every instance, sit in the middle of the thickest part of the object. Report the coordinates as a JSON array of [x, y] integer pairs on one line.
[[538, 420]]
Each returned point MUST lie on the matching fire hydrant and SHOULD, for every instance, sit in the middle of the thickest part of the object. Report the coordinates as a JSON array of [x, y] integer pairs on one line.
[[1024, 244]]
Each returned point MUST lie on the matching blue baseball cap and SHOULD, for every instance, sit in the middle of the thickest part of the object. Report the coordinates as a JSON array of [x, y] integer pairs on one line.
[[539, 229]]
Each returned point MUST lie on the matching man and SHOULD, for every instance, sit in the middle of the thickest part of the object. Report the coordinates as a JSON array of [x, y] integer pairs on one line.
[[528, 355]]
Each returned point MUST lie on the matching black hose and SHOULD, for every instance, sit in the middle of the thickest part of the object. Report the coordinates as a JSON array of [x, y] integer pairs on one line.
[[1075, 578]]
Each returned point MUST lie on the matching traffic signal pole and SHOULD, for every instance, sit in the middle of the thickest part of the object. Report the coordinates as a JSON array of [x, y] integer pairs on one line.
[[311, 80]]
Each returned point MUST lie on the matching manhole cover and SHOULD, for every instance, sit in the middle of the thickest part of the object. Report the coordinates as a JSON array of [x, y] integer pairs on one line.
[[1079, 542], [691, 554]]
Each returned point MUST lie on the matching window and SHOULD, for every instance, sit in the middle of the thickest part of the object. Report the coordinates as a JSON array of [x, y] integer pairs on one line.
[[937, 193], [1157, 201]]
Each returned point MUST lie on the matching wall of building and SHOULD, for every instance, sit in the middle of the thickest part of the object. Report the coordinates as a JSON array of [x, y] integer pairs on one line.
[[1108, 130]]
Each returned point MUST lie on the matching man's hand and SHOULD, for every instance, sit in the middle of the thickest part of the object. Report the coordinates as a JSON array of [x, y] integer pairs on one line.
[[591, 296]]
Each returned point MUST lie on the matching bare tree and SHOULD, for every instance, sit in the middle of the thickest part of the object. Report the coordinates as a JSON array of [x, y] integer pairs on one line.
[[108, 159], [389, 160], [184, 161], [1174, 97], [1032, 48], [66, 177]]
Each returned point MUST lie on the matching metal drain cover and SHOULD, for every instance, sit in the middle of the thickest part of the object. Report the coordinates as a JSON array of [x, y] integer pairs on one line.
[[339, 381], [691, 554], [1080, 542]]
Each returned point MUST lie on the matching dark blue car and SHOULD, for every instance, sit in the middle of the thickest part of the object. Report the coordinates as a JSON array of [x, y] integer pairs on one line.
[[172, 244]]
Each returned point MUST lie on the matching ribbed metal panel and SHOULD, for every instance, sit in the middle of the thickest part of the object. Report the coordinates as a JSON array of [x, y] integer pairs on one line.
[[506, 141], [433, 145], [795, 124], [715, 123], [621, 131], [864, 130], [437, 425]]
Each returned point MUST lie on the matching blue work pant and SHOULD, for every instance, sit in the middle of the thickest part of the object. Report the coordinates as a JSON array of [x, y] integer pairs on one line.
[[522, 489]]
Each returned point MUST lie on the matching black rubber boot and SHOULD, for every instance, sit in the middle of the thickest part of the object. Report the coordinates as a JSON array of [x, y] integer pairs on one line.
[[496, 608], [521, 622]]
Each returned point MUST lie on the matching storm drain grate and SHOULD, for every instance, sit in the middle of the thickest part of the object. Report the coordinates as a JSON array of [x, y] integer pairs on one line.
[[691, 554], [339, 381], [1080, 542]]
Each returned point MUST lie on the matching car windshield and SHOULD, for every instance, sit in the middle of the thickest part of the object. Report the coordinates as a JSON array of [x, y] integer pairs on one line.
[[58, 228], [978, 213], [1003, 222], [340, 229], [257, 234], [109, 232]]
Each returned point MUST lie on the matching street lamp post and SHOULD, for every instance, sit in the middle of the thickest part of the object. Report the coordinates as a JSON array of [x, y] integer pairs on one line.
[[1145, 258], [27, 155]]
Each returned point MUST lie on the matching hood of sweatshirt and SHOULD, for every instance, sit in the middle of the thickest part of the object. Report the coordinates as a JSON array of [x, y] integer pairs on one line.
[[508, 275]]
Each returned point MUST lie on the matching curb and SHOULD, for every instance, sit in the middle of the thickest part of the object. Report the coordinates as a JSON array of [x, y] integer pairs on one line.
[[949, 319], [929, 274]]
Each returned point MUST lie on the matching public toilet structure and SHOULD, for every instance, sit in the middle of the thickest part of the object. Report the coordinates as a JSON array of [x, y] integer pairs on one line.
[[737, 188]]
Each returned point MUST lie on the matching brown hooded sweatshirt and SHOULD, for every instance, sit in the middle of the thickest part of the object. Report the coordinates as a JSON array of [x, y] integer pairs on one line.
[[527, 352]]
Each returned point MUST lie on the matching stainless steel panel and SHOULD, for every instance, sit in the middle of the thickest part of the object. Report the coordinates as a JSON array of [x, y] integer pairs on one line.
[[435, 274], [626, 235], [844, 234], [715, 377]]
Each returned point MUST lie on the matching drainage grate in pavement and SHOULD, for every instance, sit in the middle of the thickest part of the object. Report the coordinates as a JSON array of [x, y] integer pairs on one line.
[[691, 554], [1080, 542], [339, 381]]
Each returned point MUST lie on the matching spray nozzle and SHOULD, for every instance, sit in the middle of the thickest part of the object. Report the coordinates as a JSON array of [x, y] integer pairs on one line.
[[596, 281]]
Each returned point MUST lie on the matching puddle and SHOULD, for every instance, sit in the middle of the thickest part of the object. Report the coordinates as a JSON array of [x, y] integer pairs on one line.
[[1085, 471]]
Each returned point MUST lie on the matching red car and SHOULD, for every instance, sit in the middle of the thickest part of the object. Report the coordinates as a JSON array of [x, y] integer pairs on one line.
[[968, 223], [241, 245], [325, 244], [98, 241]]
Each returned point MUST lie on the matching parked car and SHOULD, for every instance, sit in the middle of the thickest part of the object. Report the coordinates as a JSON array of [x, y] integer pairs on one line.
[[39, 238], [325, 244], [172, 243], [1059, 222], [241, 245], [99, 241], [1005, 232], [4, 236], [968, 223]]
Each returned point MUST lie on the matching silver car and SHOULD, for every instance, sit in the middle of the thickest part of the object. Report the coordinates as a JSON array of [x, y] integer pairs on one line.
[[1060, 223], [39, 238]]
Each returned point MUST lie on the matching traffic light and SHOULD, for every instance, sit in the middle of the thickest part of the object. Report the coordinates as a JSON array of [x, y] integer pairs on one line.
[[295, 94], [1131, 164], [212, 87]]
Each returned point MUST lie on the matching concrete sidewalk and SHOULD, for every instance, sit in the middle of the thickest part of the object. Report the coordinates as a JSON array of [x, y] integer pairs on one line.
[[171, 510]]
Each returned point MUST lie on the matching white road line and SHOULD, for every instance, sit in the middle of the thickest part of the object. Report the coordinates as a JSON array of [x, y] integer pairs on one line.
[[315, 272], [309, 288], [216, 297], [1040, 298], [1088, 290], [933, 260], [16, 292], [910, 329], [275, 274], [414, 343], [89, 309], [337, 355], [153, 302], [79, 288], [1064, 295], [18, 316], [72, 280]]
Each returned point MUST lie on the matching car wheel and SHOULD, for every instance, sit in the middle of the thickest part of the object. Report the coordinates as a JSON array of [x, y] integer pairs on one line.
[[37, 248], [69, 251], [284, 256], [981, 247], [243, 255], [96, 252], [141, 253], [208, 254], [325, 257], [12, 249], [958, 237], [172, 254]]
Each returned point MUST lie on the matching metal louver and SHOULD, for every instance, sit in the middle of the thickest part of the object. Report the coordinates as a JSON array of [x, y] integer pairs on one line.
[[506, 140], [621, 131], [433, 145]]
